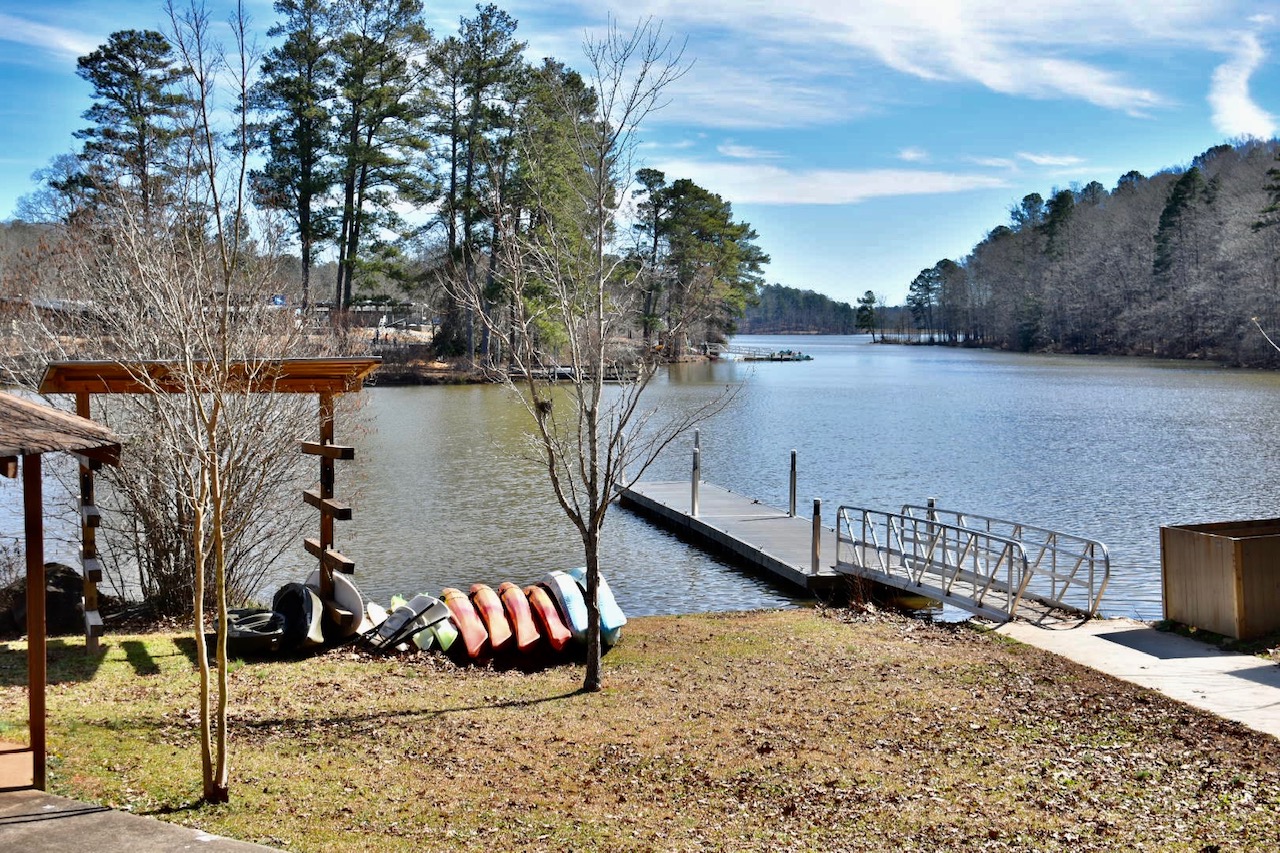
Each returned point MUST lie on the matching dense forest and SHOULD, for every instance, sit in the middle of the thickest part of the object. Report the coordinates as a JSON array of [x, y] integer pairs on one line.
[[1184, 264], [788, 310], [410, 161]]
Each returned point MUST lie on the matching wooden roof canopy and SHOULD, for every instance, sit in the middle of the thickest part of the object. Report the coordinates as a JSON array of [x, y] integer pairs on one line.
[[28, 428], [268, 375]]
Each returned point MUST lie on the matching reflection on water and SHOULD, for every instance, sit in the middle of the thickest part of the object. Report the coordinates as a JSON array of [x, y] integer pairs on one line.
[[1106, 448]]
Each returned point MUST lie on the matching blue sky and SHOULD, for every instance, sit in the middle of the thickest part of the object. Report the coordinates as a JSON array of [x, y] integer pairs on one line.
[[865, 140]]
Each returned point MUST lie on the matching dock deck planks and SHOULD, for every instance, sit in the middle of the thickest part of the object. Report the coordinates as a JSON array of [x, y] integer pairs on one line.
[[758, 535]]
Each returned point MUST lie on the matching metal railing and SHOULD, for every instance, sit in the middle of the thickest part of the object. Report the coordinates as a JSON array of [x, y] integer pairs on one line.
[[980, 571], [1068, 572]]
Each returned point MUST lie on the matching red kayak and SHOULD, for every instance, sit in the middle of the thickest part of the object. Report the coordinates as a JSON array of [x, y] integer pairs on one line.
[[520, 616], [544, 609], [489, 606], [470, 629]]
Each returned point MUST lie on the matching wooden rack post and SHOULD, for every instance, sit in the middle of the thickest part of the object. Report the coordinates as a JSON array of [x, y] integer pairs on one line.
[[89, 520], [330, 510]]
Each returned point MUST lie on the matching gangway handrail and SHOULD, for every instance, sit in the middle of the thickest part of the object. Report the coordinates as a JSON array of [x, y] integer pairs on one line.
[[977, 570], [1056, 558], [740, 349]]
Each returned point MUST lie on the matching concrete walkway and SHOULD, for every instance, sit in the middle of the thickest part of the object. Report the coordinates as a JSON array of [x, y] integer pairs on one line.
[[36, 822], [1239, 687]]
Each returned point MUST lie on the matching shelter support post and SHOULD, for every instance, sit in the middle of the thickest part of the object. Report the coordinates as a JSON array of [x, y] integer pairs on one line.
[[37, 674]]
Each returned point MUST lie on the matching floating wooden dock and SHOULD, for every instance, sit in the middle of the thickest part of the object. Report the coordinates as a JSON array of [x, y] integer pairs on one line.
[[762, 537]]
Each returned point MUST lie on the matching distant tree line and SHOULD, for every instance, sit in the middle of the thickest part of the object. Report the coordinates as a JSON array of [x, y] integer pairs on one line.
[[788, 310], [406, 156], [1182, 264]]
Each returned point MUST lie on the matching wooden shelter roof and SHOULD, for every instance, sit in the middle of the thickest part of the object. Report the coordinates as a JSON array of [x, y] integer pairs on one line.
[[28, 428], [280, 375]]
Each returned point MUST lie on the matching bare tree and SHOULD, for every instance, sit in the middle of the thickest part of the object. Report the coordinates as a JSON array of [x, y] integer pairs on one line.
[[572, 300]]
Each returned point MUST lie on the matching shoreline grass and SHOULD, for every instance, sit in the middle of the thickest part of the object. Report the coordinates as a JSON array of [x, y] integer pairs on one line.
[[781, 730]]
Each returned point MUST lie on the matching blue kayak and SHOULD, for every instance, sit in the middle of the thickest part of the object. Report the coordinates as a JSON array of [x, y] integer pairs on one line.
[[611, 616]]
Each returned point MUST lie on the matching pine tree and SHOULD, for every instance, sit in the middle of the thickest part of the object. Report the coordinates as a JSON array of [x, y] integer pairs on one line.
[[137, 114], [296, 90]]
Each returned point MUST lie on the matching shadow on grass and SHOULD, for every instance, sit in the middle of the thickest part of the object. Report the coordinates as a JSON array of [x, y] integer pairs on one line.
[[135, 652], [66, 659], [160, 811], [284, 724]]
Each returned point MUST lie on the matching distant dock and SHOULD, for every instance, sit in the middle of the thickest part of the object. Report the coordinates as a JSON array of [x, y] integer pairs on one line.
[[765, 538], [741, 353]]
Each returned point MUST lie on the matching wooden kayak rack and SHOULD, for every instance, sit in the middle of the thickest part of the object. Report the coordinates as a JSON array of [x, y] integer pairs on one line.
[[326, 377]]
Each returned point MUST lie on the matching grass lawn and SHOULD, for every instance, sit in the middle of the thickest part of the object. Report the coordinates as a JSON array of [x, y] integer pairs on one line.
[[796, 729]]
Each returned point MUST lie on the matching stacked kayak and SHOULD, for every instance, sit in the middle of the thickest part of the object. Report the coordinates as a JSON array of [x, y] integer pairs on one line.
[[511, 623]]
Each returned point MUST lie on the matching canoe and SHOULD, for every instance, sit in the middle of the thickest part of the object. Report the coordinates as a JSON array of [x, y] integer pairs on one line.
[[346, 597], [301, 609], [489, 606], [475, 639], [251, 631], [611, 616], [520, 617], [568, 597], [544, 610]]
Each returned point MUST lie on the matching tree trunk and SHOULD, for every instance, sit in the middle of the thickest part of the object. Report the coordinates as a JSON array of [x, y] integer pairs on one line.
[[593, 680]]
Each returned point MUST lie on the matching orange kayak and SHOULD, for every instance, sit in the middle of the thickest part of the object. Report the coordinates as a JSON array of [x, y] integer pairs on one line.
[[544, 609], [475, 640], [489, 606], [521, 618]]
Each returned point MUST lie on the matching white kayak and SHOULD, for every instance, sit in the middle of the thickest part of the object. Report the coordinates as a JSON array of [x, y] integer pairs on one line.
[[347, 597]]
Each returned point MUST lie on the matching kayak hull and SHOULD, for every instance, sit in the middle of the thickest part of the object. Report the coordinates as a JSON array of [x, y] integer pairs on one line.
[[346, 597], [251, 632], [568, 597], [301, 609], [611, 616], [544, 610], [520, 616], [473, 639], [489, 606]]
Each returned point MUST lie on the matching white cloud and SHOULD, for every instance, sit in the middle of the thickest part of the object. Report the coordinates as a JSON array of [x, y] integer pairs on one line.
[[723, 92], [746, 152], [913, 154], [56, 40], [1234, 111], [765, 183], [1050, 159], [1047, 49], [677, 145], [992, 162]]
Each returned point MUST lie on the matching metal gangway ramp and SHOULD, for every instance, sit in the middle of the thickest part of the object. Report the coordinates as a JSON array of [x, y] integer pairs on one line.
[[997, 569]]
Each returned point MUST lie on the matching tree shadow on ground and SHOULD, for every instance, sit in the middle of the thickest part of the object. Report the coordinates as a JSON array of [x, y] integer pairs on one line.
[[67, 662]]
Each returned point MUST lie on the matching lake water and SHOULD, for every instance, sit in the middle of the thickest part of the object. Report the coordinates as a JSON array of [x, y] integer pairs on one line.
[[1105, 448]]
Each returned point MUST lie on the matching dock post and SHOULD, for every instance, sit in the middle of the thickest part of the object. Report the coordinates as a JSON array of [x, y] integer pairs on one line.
[[817, 536], [697, 475], [793, 484]]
